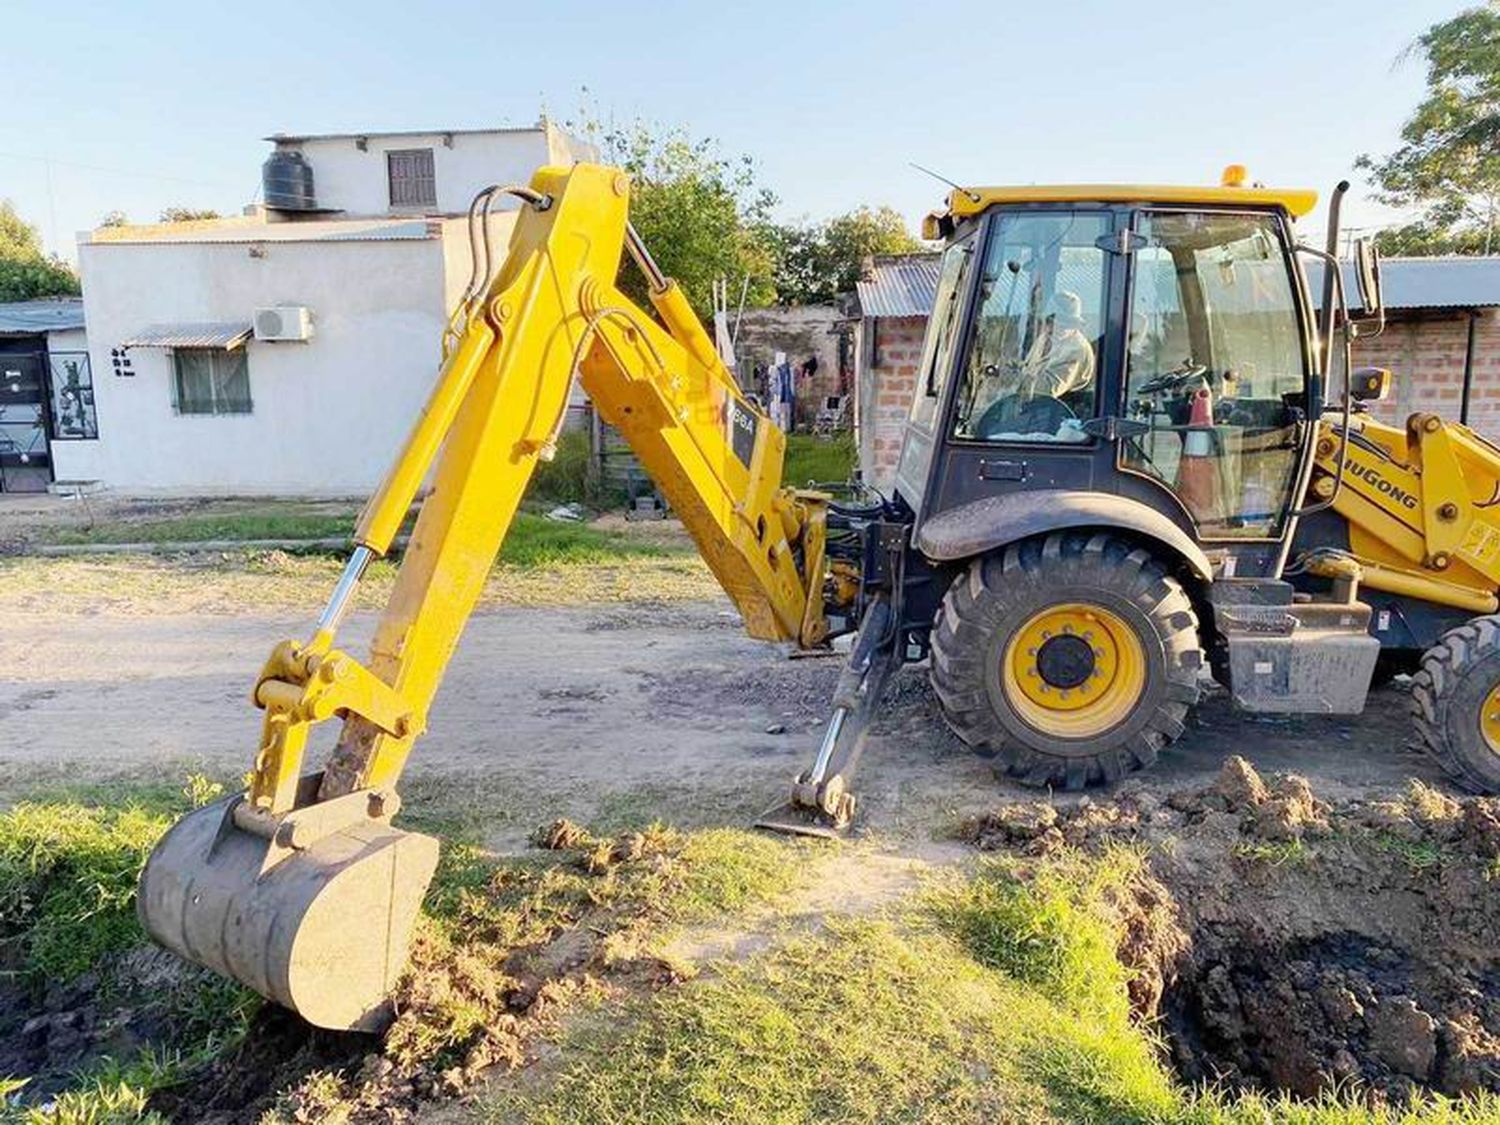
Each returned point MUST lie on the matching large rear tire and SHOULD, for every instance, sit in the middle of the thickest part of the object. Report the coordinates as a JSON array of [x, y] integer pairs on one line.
[[1455, 702], [1072, 658]]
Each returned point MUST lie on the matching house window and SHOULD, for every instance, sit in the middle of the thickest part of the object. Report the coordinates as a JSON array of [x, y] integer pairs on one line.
[[412, 181], [210, 381]]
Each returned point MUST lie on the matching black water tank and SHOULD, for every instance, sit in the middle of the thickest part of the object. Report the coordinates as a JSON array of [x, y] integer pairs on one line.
[[287, 182]]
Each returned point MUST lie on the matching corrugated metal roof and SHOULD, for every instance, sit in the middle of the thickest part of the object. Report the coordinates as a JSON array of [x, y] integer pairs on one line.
[[904, 285], [907, 286], [28, 318], [215, 334], [1423, 283]]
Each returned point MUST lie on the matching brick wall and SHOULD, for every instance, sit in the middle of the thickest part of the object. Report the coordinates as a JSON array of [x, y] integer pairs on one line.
[[1425, 354], [889, 351]]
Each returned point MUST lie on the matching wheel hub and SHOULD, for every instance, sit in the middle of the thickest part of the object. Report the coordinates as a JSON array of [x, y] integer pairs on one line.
[[1074, 670], [1065, 661], [1489, 719]]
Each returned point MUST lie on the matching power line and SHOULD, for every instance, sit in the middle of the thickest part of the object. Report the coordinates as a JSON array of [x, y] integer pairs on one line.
[[48, 161]]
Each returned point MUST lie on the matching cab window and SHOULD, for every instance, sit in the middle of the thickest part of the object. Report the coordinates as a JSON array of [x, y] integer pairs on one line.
[[1215, 369], [1032, 371], [937, 345]]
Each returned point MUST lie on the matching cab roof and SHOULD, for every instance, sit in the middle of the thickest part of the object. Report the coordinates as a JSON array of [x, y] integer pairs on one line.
[[963, 202]]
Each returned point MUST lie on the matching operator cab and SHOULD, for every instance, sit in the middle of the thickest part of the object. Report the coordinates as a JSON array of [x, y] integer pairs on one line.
[[1151, 343]]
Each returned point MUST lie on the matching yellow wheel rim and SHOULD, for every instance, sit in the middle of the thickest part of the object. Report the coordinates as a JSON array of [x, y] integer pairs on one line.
[[1075, 670], [1489, 719]]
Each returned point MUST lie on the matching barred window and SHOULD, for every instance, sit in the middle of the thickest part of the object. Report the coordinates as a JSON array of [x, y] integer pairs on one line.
[[210, 381], [412, 181]]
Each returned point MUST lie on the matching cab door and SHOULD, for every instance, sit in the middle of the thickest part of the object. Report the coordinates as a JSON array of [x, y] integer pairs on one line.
[[1216, 370]]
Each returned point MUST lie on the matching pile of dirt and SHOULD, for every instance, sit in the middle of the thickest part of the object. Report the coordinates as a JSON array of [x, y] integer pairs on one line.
[[463, 1006], [1303, 945]]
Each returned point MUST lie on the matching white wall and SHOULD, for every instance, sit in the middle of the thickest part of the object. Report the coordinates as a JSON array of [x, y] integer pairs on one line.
[[68, 340], [328, 415], [357, 182]]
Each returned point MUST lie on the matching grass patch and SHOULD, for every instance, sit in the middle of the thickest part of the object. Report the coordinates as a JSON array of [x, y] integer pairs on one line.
[[67, 880], [69, 862], [825, 460], [556, 567], [1416, 854], [999, 998], [282, 522], [537, 542], [1275, 853]]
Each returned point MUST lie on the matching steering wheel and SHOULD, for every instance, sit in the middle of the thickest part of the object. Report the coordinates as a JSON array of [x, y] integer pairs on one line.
[[1022, 414], [1173, 380]]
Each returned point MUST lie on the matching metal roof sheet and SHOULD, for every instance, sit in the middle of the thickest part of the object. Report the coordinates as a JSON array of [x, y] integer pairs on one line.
[[28, 318], [1423, 283], [197, 334], [907, 286], [900, 285]]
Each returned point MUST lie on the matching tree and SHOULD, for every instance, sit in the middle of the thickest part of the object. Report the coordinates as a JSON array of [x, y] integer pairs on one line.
[[25, 271], [187, 214], [1449, 161], [699, 212], [114, 219], [817, 263]]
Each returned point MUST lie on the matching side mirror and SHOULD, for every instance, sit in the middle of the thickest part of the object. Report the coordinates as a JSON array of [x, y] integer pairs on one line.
[[1367, 274], [1369, 384]]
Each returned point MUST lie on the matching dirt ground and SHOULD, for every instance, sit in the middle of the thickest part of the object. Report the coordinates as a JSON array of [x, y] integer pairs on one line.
[[610, 714]]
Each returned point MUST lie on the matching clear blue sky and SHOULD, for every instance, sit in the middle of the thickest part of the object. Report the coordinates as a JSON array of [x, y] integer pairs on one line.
[[145, 105]]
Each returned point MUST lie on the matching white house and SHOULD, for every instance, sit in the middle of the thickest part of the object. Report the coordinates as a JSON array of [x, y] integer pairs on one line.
[[288, 350]]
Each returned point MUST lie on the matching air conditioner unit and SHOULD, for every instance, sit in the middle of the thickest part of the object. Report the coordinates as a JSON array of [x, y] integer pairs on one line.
[[283, 322]]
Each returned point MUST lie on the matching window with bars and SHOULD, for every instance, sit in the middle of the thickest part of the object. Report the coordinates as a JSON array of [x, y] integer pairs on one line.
[[412, 181], [210, 381]]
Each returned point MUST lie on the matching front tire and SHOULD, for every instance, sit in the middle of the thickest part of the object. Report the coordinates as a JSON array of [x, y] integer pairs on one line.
[[1455, 702], [1072, 658]]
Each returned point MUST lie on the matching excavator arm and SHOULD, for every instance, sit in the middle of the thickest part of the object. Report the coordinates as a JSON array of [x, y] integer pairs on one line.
[[300, 887]]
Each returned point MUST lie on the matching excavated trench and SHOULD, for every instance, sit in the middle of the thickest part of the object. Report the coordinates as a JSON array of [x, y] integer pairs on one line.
[[1283, 944]]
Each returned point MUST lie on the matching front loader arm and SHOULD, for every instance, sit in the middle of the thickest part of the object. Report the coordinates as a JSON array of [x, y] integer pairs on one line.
[[553, 312]]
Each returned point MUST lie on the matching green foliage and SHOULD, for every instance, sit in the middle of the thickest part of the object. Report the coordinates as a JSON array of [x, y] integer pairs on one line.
[[698, 211], [188, 214], [535, 542], [98, 1102], [819, 459], [1275, 853], [815, 264], [67, 881], [114, 219], [1045, 927], [1449, 160], [267, 523], [570, 477], [25, 271]]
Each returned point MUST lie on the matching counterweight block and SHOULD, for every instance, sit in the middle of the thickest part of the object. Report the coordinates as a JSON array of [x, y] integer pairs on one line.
[[322, 930]]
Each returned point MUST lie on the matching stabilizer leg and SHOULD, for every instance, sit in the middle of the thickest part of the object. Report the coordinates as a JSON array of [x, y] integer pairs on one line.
[[822, 800]]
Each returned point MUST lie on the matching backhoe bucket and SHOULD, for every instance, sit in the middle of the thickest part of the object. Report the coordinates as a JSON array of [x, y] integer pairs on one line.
[[320, 929]]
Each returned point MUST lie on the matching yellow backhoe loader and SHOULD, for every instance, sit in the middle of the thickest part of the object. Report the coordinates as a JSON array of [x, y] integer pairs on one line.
[[1118, 471]]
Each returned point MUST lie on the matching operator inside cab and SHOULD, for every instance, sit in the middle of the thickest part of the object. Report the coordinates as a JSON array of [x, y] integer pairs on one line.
[[1031, 374]]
